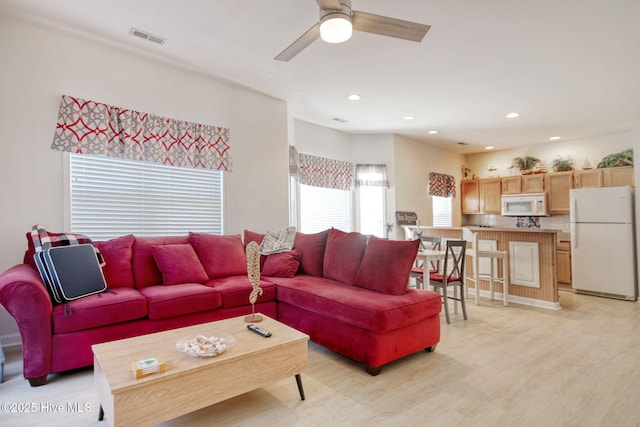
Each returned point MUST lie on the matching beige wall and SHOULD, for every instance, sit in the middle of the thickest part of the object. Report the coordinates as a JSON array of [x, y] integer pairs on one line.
[[592, 149], [414, 161], [38, 66]]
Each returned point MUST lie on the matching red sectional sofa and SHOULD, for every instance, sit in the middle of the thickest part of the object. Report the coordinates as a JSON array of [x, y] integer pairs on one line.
[[349, 293]]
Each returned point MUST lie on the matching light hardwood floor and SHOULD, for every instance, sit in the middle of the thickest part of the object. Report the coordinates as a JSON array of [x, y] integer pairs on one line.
[[505, 366]]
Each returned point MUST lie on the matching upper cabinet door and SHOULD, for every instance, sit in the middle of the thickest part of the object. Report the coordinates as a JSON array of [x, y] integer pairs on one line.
[[490, 191], [470, 196], [533, 183], [617, 177], [558, 185], [588, 178], [512, 185]]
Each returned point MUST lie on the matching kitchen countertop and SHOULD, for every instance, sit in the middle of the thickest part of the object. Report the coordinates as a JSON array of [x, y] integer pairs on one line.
[[509, 230]]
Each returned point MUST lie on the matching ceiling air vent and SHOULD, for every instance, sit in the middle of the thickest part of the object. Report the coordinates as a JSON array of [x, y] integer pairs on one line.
[[463, 143], [147, 36], [339, 120]]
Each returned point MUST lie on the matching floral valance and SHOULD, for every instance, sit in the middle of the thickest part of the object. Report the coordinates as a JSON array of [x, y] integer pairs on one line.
[[441, 185], [89, 127], [371, 176], [323, 172]]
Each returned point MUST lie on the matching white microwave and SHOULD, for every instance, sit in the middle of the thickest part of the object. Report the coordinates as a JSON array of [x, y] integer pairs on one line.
[[534, 204]]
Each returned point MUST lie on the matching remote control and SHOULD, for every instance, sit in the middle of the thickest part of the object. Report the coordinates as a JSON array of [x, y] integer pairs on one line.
[[258, 330]]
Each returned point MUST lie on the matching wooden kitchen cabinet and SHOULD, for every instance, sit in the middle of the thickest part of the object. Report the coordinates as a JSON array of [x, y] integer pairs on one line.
[[564, 262], [533, 183], [512, 185], [558, 186], [589, 178], [616, 177], [470, 196], [490, 192]]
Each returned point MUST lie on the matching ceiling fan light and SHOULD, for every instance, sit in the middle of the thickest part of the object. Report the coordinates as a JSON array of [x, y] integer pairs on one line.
[[335, 28]]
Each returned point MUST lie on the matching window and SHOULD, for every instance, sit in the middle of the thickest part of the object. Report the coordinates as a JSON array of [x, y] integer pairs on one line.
[[322, 208], [371, 181], [441, 211], [113, 197], [371, 201]]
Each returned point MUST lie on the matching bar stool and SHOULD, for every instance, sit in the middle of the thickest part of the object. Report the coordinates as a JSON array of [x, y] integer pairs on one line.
[[492, 276]]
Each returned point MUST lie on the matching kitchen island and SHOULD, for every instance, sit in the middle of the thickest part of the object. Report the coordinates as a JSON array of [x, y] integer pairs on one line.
[[532, 261]]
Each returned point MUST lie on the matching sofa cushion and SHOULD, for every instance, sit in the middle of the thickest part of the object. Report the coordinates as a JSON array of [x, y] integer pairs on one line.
[[283, 264], [178, 300], [97, 310], [235, 290], [221, 256], [355, 306], [342, 255], [312, 247], [117, 254], [179, 264], [386, 265], [145, 270]]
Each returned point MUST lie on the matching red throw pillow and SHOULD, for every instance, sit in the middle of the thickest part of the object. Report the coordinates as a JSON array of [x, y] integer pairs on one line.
[[312, 247], [386, 265], [342, 255], [117, 254], [252, 236], [221, 256], [283, 264], [145, 269], [179, 264]]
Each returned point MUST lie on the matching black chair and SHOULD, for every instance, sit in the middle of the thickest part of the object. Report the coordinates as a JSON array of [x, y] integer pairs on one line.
[[452, 275]]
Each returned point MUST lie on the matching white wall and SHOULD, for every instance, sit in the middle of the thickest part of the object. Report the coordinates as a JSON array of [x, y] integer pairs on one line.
[[592, 149], [320, 141], [38, 66]]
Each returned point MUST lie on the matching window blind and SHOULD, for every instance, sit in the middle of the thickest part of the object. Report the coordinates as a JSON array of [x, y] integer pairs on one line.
[[322, 208], [441, 211], [112, 197]]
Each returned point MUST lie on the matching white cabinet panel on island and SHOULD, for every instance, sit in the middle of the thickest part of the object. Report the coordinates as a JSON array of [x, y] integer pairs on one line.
[[524, 263]]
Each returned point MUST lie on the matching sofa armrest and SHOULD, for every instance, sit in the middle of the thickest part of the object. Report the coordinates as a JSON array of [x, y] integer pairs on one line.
[[24, 296]]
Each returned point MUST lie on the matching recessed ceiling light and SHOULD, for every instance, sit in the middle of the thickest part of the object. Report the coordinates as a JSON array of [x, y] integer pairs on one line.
[[433, 132], [513, 115], [353, 97], [554, 138], [409, 117], [489, 147]]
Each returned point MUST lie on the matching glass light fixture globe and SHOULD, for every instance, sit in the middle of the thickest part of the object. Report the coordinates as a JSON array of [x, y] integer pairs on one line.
[[335, 28]]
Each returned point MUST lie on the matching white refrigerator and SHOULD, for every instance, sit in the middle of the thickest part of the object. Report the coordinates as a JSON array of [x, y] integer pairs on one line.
[[603, 249]]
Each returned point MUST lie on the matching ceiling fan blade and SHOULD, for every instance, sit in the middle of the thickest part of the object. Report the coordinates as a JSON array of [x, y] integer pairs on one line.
[[391, 27], [329, 4], [298, 46]]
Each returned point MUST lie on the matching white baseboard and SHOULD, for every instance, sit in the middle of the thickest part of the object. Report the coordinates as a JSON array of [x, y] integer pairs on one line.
[[519, 300], [11, 340]]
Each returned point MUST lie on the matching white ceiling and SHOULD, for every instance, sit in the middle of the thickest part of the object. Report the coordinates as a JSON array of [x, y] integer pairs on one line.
[[570, 67]]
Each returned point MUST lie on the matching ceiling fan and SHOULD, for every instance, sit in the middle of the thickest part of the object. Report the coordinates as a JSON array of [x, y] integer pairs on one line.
[[337, 21]]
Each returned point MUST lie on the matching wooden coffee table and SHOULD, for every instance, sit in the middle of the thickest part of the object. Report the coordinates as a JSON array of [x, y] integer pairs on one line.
[[190, 383]]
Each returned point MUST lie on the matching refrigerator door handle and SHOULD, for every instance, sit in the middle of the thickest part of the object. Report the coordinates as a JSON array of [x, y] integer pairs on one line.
[[574, 236]]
